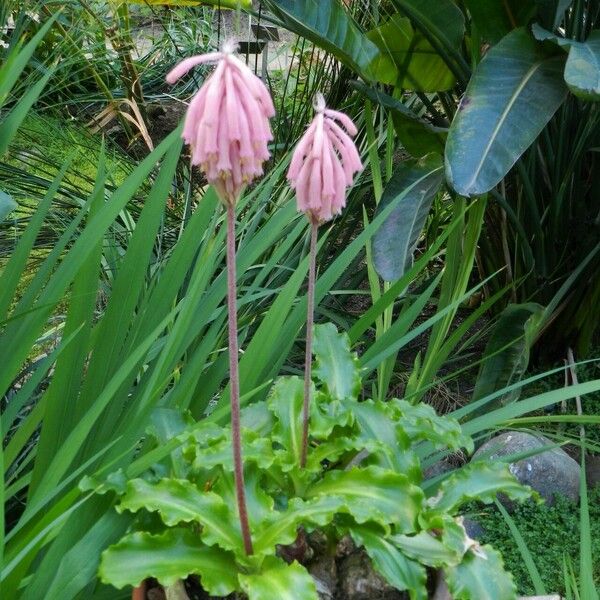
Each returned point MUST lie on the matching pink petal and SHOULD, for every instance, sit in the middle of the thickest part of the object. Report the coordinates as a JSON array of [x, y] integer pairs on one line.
[[185, 65]]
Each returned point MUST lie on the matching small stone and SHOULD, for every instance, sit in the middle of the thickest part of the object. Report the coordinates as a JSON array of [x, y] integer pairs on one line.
[[345, 547], [474, 530], [441, 467], [550, 472], [359, 581], [324, 572]]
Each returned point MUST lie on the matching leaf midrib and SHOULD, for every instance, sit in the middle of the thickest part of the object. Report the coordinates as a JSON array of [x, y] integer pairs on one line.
[[533, 69]]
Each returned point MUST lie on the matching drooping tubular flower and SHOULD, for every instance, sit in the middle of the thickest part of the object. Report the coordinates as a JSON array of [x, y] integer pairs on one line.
[[227, 122], [323, 166], [324, 163]]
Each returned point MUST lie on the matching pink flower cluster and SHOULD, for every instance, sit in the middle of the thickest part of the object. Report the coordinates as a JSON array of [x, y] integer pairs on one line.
[[227, 123], [324, 164]]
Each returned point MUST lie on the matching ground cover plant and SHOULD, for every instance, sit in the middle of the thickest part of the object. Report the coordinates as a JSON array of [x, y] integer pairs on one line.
[[163, 421]]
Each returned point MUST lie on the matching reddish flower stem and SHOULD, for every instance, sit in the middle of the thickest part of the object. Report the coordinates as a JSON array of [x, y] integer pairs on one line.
[[234, 381], [314, 229], [139, 592]]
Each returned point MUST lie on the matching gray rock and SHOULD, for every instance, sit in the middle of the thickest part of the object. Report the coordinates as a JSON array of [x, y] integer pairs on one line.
[[441, 467], [474, 530], [550, 472], [359, 581], [324, 572]]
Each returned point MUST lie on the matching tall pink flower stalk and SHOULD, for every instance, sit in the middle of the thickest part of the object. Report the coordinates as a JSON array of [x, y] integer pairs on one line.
[[227, 127], [322, 168]]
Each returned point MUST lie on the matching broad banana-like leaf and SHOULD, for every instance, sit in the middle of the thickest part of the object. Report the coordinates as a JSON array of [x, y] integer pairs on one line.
[[495, 19], [374, 494], [480, 576], [168, 557], [279, 581], [399, 570], [480, 481], [418, 137], [500, 115], [551, 12], [506, 355], [180, 501], [419, 67], [327, 24], [395, 241], [336, 366], [582, 71], [7, 205], [443, 19]]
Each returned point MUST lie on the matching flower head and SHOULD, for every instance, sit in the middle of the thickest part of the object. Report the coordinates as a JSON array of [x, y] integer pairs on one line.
[[227, 122], [324, 163]]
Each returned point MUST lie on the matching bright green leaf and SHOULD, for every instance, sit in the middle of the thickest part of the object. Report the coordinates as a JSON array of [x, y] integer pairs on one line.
[[336, 366], [279, 581], [180, 501], [419, 67], [480, 481], [168, 557], [374, 494], [399, 571], [481, 576]]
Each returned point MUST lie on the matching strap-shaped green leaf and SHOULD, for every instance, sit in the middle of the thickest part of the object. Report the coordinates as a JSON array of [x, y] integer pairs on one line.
[[279, 581], [168, 557]]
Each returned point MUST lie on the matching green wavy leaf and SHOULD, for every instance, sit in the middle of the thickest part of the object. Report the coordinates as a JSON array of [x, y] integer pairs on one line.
[[180, 501], [399, 571], [481, 576], [377, 425], [279, 581], [374, 494], [285, 402], [282, 526], [336, 366], [168, 557], [480, 481]]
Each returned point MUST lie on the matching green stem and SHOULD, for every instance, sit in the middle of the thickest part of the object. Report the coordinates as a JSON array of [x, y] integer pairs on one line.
[[234, 379], [314, 230]]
